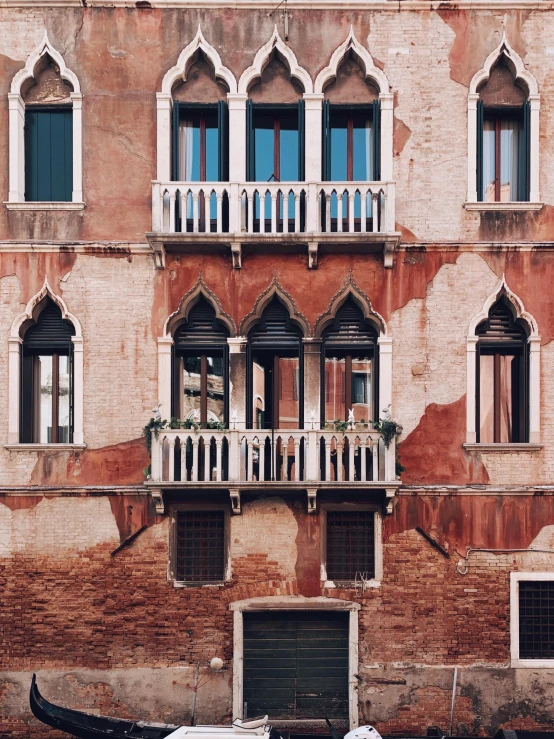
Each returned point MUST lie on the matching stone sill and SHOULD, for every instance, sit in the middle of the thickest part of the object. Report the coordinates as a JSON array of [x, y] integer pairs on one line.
[[533, 663], [44, 206], [44, 447], [503, 447], [181, 584], [333, 585], [503, 206]]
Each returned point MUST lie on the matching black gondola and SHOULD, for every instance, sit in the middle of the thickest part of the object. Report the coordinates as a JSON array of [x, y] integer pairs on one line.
[[89, 726]]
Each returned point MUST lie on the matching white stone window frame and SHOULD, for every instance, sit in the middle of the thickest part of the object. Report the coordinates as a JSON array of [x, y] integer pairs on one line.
[[290, 603], [515, 579], [477, 80], [16, 195], [534, 341], [377, 510], [14, 374]]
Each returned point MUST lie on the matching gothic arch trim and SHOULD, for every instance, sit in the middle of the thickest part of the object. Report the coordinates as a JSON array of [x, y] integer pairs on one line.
[[349, 290], [32, 311], [28, 71], [521, 73], [520, 312], [351, 43], [186, 58], [263, 55], [189, 300], [274, 290]]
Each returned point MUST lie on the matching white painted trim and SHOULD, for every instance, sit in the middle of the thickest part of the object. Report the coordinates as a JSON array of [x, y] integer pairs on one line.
[[515, 579], [165, 345], [384, 345], [313, 105], [16, 107], [521, 73], [288, 603], [46, 205], [45, 447], [254, 72], [14, 361], [508, 447], [534, 342], [520, 205], [375, 581]]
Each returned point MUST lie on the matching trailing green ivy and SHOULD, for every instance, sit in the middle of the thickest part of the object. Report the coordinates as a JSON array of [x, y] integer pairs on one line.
[[154, 425], [388, 429]]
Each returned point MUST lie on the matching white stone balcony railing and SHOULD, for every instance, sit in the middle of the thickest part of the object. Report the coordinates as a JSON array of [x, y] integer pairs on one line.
[[254, 458], [273, 208]]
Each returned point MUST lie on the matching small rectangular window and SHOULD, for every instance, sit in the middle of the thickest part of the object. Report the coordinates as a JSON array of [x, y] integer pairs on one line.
[[200, 546], [536, 619], [350, 545], [49, 155]]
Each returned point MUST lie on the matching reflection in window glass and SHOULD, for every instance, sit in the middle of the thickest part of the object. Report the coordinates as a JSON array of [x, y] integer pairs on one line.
[[288, 392], [203, 384], [215, 388], [63, 400], [45, 375], [362, 389], [335, 407], [191, 388], [258, 376], [496, 398], [500, 178]]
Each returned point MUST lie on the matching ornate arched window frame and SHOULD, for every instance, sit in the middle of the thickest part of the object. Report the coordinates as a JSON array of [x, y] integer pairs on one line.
[[378, 78], [521, 73], [534, 343], [16, 104], [31, 312]]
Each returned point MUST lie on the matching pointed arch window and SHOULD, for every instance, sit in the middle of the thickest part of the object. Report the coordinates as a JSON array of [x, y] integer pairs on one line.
[[200, 367], [275, 386], [502, 398], [47, 379], [349, 366]]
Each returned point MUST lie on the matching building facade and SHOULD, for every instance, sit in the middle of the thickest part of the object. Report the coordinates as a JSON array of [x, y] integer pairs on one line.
[[321, 237]]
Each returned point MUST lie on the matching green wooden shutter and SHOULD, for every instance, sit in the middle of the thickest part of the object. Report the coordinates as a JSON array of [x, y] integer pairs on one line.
[[250, 144], [524, 154], [376, 174], [326, 142], [480, 127], [176, 118], [223, 141], [301, 141], [49, 155]]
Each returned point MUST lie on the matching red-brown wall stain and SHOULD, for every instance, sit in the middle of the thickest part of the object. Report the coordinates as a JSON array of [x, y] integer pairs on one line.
[[20, 502], [121, 464], [308, 548], [407, 236], [401, 134], [433, 452], [461, 521], [131, 512], [473, 43], [31, 269]]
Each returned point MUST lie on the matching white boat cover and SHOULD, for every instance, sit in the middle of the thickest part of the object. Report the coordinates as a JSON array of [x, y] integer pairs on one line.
[[257, 727]]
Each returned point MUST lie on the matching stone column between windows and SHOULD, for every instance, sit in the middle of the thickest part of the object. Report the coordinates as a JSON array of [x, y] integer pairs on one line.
[[471, 430], [163, 105], [472, 99], [385, 373], [534, 389], [16, 148], [312, 136], [165, 344], [386, 101], [14, 359], [237, 380], [534, 189], [312, 382], [78, 387], [237, 136], [77, 123]]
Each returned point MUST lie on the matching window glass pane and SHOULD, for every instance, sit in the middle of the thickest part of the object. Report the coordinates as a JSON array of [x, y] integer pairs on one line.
[[211, 153], [288, 392], [289, 152], [338, 152], [486, 399], [258, 404], [191, 388], [189, 166], [63, 400], [263, 138], [216, 391], [363, 165], [44, 414], [489, 148], [362, 383], [335, 408], [509, 138], [507, 362]]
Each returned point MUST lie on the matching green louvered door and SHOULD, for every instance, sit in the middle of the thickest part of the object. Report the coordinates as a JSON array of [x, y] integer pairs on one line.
[[48, 155], [296, 664]]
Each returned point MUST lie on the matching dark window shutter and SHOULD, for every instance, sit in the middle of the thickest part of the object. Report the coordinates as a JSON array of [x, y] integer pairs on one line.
[[326, 142], [301, 140], [524, 154], [480, 127], [49, 155], [250, 144], [223, 140], [376, 141], [176, 117]]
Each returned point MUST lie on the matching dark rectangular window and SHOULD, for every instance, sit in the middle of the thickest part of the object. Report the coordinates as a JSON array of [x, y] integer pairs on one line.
[[200, 546], [350, 545], [536, 619], [49, 155]]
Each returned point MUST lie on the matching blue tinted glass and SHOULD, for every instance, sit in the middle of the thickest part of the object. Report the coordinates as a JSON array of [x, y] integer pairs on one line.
[[362, 152], [264, 153], [195, 173], [338, 153], [211, 154], [289, 156]]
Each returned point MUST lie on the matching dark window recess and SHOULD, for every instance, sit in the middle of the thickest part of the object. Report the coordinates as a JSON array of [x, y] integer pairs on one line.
[[536, 619], [49, 155], [296, 665], [200, 555], [350, 545]]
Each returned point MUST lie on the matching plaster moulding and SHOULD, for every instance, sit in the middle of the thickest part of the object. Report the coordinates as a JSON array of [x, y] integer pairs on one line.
[[521, 73], [189, 300], [30, 311], [350, 289], [28, 71], [503, 289], [274, 290]]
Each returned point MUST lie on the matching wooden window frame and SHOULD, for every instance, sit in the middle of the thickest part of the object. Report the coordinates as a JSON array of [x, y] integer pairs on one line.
[[376, 580], [172, 559], [515, 579], [31, 385]]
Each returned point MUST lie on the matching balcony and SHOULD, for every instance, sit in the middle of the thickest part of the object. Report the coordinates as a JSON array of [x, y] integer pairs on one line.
[[315, 216], [280, 459]]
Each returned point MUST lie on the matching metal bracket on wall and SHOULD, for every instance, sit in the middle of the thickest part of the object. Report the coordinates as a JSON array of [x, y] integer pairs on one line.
[[236, 254], [312, 500], [235, 501], [158, 498]]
